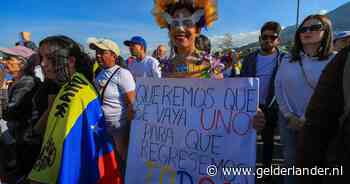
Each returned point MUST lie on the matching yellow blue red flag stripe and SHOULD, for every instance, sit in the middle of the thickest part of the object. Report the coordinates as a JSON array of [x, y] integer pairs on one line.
[[76, 148]]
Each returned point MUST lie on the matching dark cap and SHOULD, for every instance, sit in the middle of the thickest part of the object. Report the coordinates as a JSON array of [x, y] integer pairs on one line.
[[136, 40]]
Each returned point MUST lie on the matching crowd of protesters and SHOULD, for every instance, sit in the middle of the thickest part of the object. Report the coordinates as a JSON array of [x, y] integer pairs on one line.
[[300, 91]]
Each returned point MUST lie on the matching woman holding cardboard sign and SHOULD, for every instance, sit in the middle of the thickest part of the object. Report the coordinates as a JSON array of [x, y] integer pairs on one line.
[[184, 20]]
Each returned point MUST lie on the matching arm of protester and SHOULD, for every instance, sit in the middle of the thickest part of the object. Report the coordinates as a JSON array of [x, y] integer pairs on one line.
[[128, 86], [259, 120], [280, 94], [130, 98], [294, 122]]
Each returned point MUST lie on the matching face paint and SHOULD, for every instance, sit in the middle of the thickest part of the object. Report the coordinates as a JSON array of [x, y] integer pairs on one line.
[[182, 22]]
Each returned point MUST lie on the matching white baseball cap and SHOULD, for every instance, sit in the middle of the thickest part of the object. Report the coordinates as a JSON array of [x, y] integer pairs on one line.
[[104, 44]]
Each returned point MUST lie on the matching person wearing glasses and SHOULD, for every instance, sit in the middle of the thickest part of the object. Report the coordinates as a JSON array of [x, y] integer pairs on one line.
[[296, 80], [117, 90], [18, 112], [263, 64], [184, 21]]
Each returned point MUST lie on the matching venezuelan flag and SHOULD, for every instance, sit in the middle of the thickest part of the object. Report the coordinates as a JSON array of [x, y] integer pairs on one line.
[[76, 149]]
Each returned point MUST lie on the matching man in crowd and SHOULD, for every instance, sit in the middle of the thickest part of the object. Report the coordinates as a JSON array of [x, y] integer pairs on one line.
[[117, 90], [141, 65], [263, 64], [160, 53], [118, 59]]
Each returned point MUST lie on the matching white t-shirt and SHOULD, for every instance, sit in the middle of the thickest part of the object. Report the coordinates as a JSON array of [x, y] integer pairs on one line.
[[148, 67], [114, 100], [292, 89], [264, 70]]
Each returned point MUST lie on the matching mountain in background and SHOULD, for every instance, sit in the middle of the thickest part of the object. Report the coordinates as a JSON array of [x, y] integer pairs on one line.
[[339, 17]]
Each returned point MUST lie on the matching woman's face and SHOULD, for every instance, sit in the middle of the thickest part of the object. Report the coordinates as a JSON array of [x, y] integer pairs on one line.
[[312, 32], [13, 65], [46, 62], [184, 35]]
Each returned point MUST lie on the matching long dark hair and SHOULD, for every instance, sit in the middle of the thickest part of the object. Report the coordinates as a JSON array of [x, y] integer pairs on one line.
[[67, 47], [325, 49]]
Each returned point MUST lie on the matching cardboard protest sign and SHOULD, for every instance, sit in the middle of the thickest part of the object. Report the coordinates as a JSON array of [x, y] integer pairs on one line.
[[188, 130]]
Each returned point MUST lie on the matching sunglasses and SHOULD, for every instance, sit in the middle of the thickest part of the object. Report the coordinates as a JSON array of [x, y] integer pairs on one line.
[[271, 37], [102, 52], [182, 22], [316, 27]]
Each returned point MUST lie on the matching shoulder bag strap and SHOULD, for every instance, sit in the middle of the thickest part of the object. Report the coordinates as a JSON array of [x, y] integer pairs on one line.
[[305, 76], [109, 79]]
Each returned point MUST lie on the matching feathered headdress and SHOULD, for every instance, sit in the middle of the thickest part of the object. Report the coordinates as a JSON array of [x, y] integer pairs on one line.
[[209, 7]]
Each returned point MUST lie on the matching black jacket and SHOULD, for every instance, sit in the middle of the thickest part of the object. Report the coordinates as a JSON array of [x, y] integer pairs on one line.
[[270, 109], [322, 121], [249, 70], [20, 107]]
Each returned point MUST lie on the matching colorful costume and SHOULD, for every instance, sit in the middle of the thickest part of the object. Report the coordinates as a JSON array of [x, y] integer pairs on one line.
[[199, 64]]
